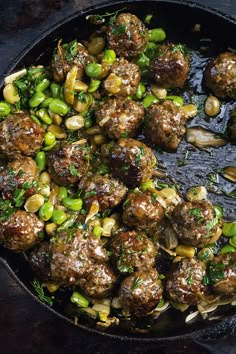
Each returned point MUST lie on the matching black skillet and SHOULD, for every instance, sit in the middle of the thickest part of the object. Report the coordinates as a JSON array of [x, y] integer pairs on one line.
[[178, 19]]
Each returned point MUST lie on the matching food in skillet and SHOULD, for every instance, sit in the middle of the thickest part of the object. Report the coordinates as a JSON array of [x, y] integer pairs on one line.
[[82, 194]]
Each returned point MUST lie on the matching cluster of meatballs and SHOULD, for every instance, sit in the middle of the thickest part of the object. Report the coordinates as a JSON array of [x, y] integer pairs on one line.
[[128, 262]]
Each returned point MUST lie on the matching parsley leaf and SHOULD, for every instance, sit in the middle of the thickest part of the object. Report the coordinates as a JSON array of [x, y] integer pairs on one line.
[[118, 30], [74, 171], [6, 209], [138, 281]]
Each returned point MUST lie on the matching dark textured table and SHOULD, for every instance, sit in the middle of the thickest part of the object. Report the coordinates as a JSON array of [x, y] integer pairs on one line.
[[26, 327]]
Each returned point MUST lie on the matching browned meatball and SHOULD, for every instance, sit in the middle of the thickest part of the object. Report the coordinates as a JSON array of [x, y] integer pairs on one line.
[[129, 75], [39, 260], [20, 231], [220, 75], [165, 124], [140, 292], [184, 282], [127, 35], [142, 210], [171, 66], [99, 282], [67, 163], [131, 251], [19, 176], [222, 273], [119, 117], [195, 222], [74, 253], [107, 190], [132, 161], [19, 134], [66, 56]]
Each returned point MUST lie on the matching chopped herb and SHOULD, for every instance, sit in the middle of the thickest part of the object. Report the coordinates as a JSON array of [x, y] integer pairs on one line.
[[21, 173], [206, 280], [117, 30], [190, 280], [195, 211], [124, 168], [183, 162], [71, 47], [161, 185], [140, 155], [12, 172], [212, 223], [213, 177], [40, 293], [68, 223], [18, 197], [81, 96], [219, 211], [182, 48], [41, 235], [154, 198], [160, 303], [138, 281], [231, 194], [147, 19], [74, 171], [90, 194], [161, 276], [125, 134], [125, 269], [99, 19], [138, 237], [6, 209], [216, 271]]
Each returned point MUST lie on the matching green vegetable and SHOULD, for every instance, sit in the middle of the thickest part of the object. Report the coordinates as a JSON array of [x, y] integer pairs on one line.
[[46, 102], [97, 231], [148, 19], [55, 90], [150, 51], [147, 185], [42, 114], [58, 216], [40, 160], [138, 281], [109, 56], [177, 100], [78, 299], [4, 109], [49, 139], [6, 209], [232, 241], [156, 35], [149, 100], [58, 106], [42, 85], [93, 70], [18, 197], [36, 99], [227, 248], [143, 61], [74, 204], [141, 89], [94, 85], [40, 293], [46, 211], [63, 193], [229, 229], [118, 30], [88, 122]]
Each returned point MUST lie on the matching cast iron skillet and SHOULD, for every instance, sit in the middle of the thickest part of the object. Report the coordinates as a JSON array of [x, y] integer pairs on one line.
[[177, 18]]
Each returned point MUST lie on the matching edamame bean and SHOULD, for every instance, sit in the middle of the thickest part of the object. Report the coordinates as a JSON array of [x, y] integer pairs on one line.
[[40, 160], [42, 85], [49, 147], [62, 193], [93, 70], [150, 51], [58, 106], [43, 115], [4, 109], [78, 299], [227, 248], [141, 89], [94, 85], [109, 56], [55, 90], [46, 211], [149, 100], [147, 185], [229, 229], [74, 204], [46, 102], [177, 100], [232, 241], [58, 216], [49, 139], [88, 122], [36, 99], [156, 35], [97, 231], [143, 61]]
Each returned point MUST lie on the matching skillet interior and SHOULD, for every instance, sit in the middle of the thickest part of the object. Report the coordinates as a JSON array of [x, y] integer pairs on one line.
[[177, 19]]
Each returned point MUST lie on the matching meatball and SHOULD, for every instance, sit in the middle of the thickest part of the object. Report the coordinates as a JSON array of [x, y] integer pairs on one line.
[[19, 134], [220, 75], [165, 124], [39, 260], [20, 231], [140, 292], [99, 282], [131, 251], [119, 117], [20, 175], [222, 273], [107, 190], [142, 210], [194, 222], [132, 161], [67, 56], [170, 68], [184, 282], [67, 163], [127, 36], [128, 77], [74, 253]]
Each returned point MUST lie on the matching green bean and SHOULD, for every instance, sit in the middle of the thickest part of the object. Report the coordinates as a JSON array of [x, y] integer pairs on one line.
[[177, 100], [78, 299], [109, 56], [141, 89], [49, 139], [46, 102], [93, 70], [63, 193], [94, 85], [40, 160], [143, 61], [150, 51], [42, 85], [58, 106], [4, 109], [156, 35], [74, 204], [58, 216], [55, 90], [36, 99], [97, 231], [149, 100], [227, 248], [229, 229], [43, 115], [232, 241], [46, 211]]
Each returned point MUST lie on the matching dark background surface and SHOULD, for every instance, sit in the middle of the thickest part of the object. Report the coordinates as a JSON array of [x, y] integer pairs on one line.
[[26, 327]]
